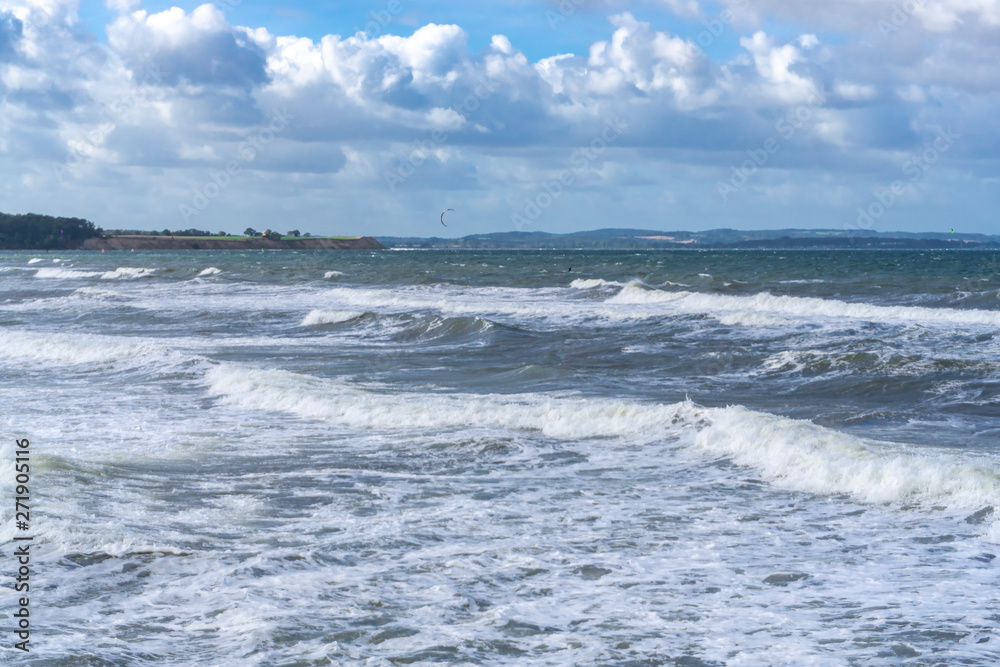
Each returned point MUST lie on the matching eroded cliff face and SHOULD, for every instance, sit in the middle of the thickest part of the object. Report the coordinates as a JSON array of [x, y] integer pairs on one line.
[[223, 243]]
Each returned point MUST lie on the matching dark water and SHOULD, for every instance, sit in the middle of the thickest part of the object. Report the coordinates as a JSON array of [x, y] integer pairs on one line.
[[486, 458]]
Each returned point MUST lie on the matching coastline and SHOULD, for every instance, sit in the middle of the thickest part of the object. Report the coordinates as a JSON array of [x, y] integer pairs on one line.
[[143, 242]]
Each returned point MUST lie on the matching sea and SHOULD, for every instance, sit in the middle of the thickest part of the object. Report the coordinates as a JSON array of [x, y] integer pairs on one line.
[[593, 457]]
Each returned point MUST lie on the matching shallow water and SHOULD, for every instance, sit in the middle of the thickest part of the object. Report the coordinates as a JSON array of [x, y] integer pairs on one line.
[[734, 458]]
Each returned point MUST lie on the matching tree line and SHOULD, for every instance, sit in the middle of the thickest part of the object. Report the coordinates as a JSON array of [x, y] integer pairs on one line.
[[32, 231]]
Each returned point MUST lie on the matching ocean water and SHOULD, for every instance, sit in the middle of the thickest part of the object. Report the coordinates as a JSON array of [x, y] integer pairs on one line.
[[465, 458]]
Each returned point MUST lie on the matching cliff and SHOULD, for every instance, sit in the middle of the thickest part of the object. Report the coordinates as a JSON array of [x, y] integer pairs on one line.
[[223, 243]]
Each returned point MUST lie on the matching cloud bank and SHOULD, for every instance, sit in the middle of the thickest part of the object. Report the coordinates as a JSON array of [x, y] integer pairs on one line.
[[172, 121]]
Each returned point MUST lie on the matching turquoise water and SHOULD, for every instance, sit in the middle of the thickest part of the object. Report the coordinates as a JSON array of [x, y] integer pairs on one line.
[[407, 457]]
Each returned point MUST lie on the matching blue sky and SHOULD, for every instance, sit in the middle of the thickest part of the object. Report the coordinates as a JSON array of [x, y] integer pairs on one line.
[[357, 117]]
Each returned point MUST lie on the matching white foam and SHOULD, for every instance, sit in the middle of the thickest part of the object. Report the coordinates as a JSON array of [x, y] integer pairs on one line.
[[332, 274], [210, 271], [96, 293], [750, 319], [591, 283], [768, 304], [76, 349], [316, 317], [567, 418], [65, 273], [35, 260], [790, 454], [802, 456], [127, 272]]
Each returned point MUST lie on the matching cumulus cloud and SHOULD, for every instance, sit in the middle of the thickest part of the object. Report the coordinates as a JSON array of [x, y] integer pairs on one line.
[[173, 95], [198, 48]]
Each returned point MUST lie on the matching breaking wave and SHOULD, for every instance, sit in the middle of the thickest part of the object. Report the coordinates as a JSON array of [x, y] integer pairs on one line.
[[766, 304], [790, 454]]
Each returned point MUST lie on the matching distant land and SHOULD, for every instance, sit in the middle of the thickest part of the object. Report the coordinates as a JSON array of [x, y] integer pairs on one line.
[[40, 232], [714, 239], [32, 231], [147, 242]]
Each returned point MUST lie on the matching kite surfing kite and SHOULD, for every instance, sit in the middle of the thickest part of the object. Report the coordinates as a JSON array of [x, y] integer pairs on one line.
[[442, 215]]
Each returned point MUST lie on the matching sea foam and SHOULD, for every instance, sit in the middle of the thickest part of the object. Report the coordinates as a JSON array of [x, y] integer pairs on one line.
[[127, 272], [317, 317], [766, 304], [65, 273], [591, 283], [790, 454], [79, 349]]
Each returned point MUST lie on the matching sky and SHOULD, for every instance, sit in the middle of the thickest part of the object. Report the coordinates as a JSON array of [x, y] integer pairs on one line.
[[521, 115]]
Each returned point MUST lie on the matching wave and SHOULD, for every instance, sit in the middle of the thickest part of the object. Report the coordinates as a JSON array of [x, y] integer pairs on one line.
[[35, 260], [315, 398], [332, 274], [790, 454], [319, 317], [210, 271], [120, 272], [801, 456], [127, 272], [65, 273], [750, 319], [453, 330], [80, 349], [591, 283], [768, 304]]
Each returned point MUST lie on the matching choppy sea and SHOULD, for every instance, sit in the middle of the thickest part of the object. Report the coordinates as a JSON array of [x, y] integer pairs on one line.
[[505, 457]]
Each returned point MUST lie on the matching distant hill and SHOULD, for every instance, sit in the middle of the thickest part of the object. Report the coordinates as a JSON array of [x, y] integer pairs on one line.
[[715, 238]]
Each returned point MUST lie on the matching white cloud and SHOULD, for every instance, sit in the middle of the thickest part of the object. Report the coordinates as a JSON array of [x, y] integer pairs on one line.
[[856, 92], [361, 105], [199, 48], [774, 62]]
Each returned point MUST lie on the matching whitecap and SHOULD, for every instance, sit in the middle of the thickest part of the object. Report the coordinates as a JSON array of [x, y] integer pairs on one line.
[[65, 273], [768, 304], [591, 283], [127, 272], [316, 317]]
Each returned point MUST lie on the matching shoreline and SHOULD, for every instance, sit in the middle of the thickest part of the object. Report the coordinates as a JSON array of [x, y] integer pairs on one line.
[[148, 242]]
